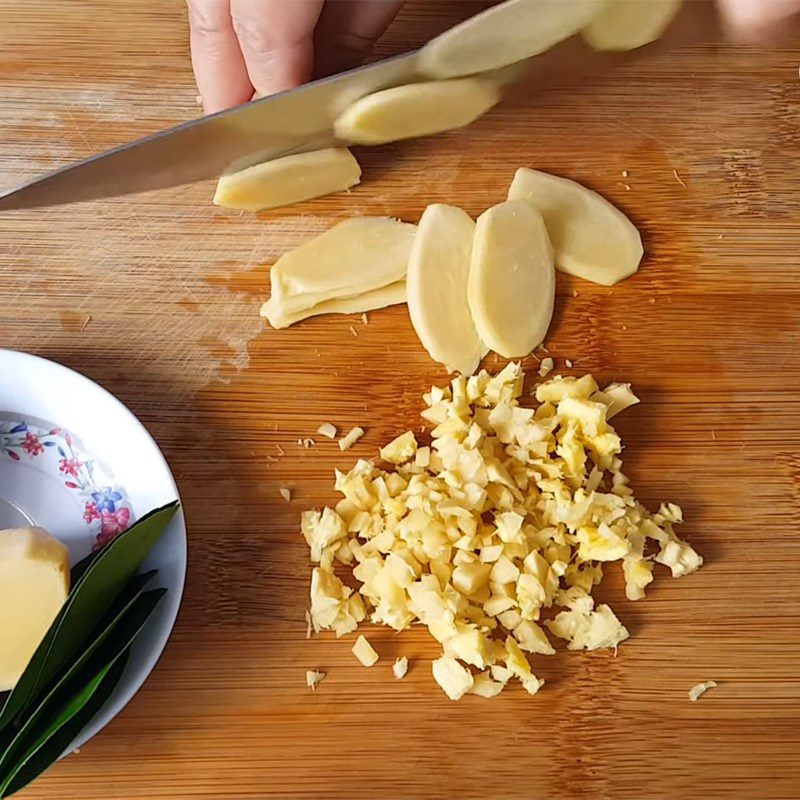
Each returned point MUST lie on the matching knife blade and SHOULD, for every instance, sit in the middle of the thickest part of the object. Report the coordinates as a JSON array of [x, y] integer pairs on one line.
[[293, 121], [301, 119]]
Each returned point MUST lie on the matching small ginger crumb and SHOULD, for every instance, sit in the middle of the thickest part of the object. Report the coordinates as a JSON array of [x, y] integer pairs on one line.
[[700, 689], [678, 178], [400, 667], [651, 300], [364, 318], [546, 367], [574, 292], [281, 451], [349, 439], [285, 493], [309, 625], [313, 678], [568, 363], [713, 434], [353, 331], [307, 443], [624, 173], [327, 430]]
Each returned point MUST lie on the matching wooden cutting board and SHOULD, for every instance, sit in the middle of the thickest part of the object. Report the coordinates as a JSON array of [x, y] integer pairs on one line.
[[156, 297]]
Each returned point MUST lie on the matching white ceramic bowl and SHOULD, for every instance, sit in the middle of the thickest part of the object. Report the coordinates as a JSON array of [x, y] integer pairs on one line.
[[74, 460]]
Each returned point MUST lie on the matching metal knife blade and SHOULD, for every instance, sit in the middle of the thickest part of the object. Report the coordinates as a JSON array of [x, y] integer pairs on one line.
[[301, 119], [290, 122]]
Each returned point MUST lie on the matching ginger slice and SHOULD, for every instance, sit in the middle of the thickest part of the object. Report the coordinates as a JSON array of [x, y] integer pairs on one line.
[[438, 272], [417, 109], [504, 34], [511, 286], [628, 24], [288, 180], [591, 238], [372, 300], [356, 256]]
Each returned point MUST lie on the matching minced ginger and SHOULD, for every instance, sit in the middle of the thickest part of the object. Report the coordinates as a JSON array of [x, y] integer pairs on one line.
[[511, 511]]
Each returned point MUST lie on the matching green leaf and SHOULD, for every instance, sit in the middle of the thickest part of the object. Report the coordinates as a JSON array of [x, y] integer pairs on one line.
[[77, 572], [101, 582], [113, 637], [6, 736], [73, 694], [62, 716], [50, 750]]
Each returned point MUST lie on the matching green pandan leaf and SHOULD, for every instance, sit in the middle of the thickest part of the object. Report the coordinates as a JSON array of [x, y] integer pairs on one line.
[[69, 697], [66, 712], [52, 748]]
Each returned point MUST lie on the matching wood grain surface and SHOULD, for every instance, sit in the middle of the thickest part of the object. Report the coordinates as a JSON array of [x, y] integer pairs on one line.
[[156, 297]]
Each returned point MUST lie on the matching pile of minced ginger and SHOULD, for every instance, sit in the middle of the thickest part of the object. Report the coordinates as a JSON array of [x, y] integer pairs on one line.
[[511, 511]]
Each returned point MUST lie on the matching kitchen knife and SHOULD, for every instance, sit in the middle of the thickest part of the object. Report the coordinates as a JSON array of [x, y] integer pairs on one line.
[[296, 121], [290, 122]]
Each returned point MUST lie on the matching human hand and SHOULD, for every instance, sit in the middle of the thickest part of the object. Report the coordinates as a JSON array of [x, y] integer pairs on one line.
[[242, 48], [756, 20]]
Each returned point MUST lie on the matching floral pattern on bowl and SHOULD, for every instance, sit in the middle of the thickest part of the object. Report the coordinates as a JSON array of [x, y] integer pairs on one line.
[[107, 509]]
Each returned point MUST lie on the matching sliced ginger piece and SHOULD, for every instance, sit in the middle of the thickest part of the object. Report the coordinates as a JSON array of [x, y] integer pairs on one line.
[[511, 286], [454, 678], [416, 109], [628, 24], [438, 272], [34, 584], [288, 180], [504, 34], [356, 256], [617, 397], [364, 652], [591, 238], [372, 300]]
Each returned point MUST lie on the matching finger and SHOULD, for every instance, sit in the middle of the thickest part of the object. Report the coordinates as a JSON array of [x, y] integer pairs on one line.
[[756, 20], [277, 40], [217, 60], [347, 31]]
